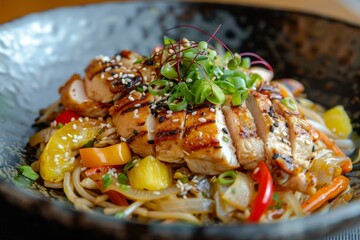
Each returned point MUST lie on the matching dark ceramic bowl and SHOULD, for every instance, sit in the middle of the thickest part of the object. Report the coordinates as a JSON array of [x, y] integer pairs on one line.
[[39, 52]]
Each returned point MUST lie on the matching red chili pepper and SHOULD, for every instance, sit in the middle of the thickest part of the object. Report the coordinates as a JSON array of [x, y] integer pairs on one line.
[[66, 116], [265, 192]]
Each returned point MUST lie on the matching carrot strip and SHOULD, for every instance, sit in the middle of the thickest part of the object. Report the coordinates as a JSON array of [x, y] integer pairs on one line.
[[326, 193], [117, 198], [347, 164]]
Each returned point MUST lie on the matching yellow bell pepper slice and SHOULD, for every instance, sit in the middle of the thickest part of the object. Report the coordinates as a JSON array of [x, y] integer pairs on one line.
[[58, 157], [337, 120], [117, 154], [151, 174]]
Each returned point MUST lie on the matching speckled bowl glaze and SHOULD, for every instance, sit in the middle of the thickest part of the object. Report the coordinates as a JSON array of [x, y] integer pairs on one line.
[[39, 52]]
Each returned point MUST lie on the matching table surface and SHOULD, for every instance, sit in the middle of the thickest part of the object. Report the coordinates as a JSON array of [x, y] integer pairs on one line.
[[32, 225]]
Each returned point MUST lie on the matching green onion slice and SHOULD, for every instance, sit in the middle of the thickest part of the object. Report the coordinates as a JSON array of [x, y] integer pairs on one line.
[[168, 71], [162, 86], [28, 172], [107, 180], [245, 63], [122, 178], [289, 103], [227, 178]]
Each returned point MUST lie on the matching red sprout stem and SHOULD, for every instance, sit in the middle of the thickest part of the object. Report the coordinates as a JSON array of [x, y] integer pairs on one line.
[[204, 32], [261, 60]]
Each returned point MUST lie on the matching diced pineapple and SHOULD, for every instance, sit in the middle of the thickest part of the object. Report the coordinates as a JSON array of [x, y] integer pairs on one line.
[[151, 174], [337, 120]]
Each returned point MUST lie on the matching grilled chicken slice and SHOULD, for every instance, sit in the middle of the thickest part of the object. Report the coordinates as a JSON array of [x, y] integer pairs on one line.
[[300, 136], [135, 123], [169, 136], [273, 129], [73, 97], [108, 79], [249, 146], [208, 148]]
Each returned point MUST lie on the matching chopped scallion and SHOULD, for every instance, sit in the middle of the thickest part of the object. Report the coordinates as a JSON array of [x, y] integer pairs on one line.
[[289, 103], [28, 172], [227, 178], [107, 180]]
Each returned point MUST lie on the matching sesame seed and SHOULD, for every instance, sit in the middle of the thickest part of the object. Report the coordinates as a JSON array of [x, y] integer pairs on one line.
[[276, 124], [74, 126], [271, 128], [194, 113], [123, 139], [202, 120], [116, 75], [137, 105], [156, 192], [110, 78], [63, 138], [102, 75], [175, 120], [275, 156], [130, 75], [132, 92], [131, 98], [107, 69], [168, 115], [60, 146]]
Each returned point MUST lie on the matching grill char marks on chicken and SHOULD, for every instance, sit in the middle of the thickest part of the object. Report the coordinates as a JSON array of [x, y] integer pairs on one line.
[[134, 122], [208, 149], [249, 146], [169, 136]]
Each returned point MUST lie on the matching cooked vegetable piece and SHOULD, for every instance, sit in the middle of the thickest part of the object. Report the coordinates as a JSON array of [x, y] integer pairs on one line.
[[66, 116], [337, 120], [241, 192], [117, 154], [149, 173], [58, 157], [28, 172], [326, 193], [117, 198], [265, 191]]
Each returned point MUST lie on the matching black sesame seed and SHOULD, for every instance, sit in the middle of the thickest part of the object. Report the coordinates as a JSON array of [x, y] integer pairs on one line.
[[191, 177], [313, 148], [276, 124], [275, 156], [271, 128], [225, 130], [161, 119], [151, 142], [135, 132], [287, 125]]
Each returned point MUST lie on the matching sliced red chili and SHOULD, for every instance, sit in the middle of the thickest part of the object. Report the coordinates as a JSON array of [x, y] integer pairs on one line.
[[265, 192], [66, 116]]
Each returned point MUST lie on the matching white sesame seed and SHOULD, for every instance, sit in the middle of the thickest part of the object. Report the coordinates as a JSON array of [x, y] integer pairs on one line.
[[118, 58], [144, 87], [144, 69], [156, 192], [168, 115], [137, 105], [63, 138], [133, 91], [123, 139], [145, 78], [176, 120], [212, 109], [74, 126], [107, 69], [202, 120], [130, 75], [194, 113], [137, 84], [60, 146], [110, 78], [102, 75], [131, 98]]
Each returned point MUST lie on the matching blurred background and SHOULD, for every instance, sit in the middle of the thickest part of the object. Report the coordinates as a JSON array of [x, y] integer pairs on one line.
[[346, 10]]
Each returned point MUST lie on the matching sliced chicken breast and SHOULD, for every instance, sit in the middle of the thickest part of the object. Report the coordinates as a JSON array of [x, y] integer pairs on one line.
[[273, 129], [108, 79], [208, 148], [169, 136], [73, 97], [249, 146], [302, 146], [135, 123]]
